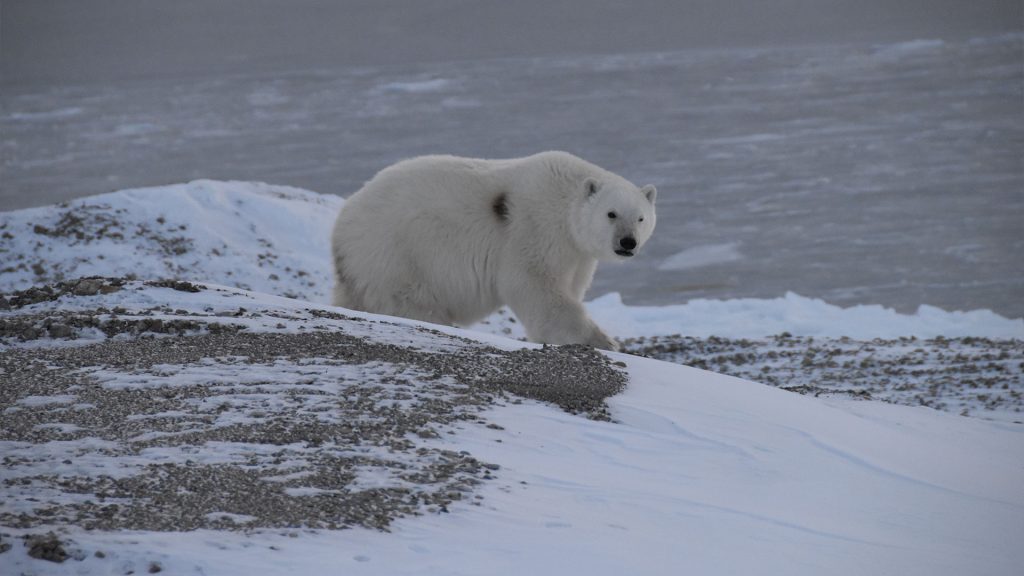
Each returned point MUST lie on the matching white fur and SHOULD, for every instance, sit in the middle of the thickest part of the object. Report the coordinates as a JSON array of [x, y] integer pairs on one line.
[[424, 240]]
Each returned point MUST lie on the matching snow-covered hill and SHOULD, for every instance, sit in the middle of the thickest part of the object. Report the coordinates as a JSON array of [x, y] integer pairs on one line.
[[274, 240], [270, 239], [216, 426]]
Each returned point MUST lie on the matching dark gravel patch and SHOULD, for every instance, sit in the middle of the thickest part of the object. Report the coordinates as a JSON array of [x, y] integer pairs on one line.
[[294, 442], [89, 286], [980, 377], [46, 547]]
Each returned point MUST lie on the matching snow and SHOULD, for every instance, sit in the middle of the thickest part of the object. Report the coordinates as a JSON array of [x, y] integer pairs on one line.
[[225, 231], [46, 400], [698, 472], [792, 313], [692, 480], [798, 315], [701, 472]]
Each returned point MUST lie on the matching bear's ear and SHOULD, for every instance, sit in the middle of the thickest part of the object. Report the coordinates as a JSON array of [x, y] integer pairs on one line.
[[650, 192], [591, 186]]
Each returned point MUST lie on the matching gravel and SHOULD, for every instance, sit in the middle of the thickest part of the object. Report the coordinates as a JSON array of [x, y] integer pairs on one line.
[[225, 429], [978, 377]]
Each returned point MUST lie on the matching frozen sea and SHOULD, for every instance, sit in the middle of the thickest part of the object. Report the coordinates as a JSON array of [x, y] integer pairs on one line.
[[859, 173]]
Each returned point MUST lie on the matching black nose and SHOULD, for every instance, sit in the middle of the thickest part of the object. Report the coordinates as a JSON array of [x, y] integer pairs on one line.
[[628, 243]]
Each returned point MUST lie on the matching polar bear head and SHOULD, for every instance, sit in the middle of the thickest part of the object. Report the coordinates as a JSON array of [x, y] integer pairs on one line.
[[614, 218]]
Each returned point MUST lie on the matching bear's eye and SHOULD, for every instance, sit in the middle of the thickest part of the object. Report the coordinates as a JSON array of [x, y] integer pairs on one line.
[[611, 216], [641, 218]]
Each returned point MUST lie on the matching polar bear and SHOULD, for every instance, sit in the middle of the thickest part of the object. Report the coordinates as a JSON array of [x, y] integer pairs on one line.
[[449, 240]]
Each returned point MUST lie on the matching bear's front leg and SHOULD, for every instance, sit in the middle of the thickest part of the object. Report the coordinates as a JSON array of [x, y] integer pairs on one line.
[[552, 317]]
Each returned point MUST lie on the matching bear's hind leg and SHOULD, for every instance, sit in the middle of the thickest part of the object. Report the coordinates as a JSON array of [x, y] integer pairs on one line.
[[417, 302], [340, 296], [346, 293]]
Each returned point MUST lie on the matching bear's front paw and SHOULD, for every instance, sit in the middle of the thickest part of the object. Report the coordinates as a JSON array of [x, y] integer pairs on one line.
[[604, 342]]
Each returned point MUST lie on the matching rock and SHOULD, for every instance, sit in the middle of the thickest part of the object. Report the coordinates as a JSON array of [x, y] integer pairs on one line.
[[87, 287], [46, 547], [60, 331]]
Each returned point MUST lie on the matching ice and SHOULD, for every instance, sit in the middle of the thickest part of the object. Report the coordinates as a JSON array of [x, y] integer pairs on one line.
[[908, 49], [416, 87], [57, 114], [881, 172], [700, 256]]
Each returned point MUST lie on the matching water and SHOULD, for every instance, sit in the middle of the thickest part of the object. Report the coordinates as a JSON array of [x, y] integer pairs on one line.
[[858, 173]]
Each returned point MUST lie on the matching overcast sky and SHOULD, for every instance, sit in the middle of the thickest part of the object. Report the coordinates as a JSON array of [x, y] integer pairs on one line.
[[102, 40]]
